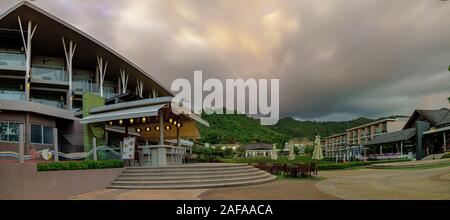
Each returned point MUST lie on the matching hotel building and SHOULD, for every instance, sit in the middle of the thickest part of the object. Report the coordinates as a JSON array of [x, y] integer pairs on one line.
[[46, 68], [352, 142]]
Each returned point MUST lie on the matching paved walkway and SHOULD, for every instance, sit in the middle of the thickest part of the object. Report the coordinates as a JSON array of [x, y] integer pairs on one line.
[[377, 184], [344, 184]]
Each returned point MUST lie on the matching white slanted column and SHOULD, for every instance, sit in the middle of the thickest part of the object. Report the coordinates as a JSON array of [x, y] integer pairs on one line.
[[124, 80], [102, 72], [69, 52], [140, 88], [27, 47], [154, 93]]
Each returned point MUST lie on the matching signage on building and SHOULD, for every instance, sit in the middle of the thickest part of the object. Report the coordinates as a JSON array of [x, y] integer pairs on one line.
[[128, 148]]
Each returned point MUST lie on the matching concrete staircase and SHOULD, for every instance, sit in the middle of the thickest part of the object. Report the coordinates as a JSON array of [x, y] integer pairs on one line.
[[191, 176]]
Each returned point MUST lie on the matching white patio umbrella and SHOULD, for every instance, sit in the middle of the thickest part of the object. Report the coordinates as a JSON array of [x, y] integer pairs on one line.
[[274, 155], [317, 153], [291, 152]]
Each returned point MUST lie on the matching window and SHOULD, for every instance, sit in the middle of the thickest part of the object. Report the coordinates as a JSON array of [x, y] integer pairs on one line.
[[48, 135], [41, 134], [9, 132]]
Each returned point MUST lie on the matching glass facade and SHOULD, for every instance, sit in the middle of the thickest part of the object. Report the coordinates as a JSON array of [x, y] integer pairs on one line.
[[9, 132]]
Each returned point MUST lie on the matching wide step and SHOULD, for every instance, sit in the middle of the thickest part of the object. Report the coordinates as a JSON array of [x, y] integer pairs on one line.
[[192, 176]]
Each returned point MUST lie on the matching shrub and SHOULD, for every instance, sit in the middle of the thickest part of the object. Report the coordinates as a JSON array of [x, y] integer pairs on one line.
[[79, 165], [337, 166], [447, 155]]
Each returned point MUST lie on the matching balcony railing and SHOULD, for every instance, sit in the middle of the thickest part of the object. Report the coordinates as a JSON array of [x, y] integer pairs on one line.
[[12, 61], [49, 73], [12, 95], [82, 86], [49, 102]]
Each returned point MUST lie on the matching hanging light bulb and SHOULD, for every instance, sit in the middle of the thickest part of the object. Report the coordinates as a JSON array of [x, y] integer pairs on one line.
[[148, 129], [131, 121], [167, 127], [157, 128], [179, 125], [170, 120], [110, 123], [120, 122], [174, 122], [144, 120], [138, 130]]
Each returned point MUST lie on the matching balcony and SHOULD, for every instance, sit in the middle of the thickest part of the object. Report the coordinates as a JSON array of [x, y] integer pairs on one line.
[[82, 86], [12, 95], [12, 61], [49, 73], [49, 102]]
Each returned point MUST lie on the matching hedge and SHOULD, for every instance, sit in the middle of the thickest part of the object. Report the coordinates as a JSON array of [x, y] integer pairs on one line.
[[79, 165], [337, 166], [447, 155]]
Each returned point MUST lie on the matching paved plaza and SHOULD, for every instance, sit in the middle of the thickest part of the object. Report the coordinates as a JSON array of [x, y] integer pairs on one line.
[[345, 184]]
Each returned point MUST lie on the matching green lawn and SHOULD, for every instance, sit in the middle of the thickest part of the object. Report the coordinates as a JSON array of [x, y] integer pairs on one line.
[[420, 167]]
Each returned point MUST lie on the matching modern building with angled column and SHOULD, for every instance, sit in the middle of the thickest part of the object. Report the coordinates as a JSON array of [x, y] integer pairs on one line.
[[47, 67]]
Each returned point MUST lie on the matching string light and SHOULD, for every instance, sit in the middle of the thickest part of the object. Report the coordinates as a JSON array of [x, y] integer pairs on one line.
[[157, 128], [168, 127], [120, 122], [144, 120], [131, 121], [148, 129]]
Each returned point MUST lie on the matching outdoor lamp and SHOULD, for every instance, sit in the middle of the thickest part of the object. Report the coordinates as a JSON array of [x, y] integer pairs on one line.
[[147, 129], [168, 127], [157, 128], [120, 122], [175, 122]]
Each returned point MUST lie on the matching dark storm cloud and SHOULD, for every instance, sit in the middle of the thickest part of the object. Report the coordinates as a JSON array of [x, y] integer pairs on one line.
[[335, 59]]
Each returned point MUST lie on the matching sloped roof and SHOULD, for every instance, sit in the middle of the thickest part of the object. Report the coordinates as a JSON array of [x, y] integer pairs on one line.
[[259, 146], [436, 118], [397, 136]]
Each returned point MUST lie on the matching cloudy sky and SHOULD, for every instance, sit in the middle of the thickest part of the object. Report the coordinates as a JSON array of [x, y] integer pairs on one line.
[[336, 60]]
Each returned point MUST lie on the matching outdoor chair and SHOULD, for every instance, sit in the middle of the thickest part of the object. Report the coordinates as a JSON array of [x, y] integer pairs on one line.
[[304, 170]]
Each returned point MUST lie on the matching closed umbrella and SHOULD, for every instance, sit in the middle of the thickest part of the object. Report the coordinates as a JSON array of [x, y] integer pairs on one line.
[[317, 154], [291, 152], [274, 155]]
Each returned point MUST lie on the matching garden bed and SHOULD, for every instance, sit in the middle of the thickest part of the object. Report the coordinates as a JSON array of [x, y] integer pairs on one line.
[[79, 165]]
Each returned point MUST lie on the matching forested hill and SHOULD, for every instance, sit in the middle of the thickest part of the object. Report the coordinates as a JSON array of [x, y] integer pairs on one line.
[[242, 129]]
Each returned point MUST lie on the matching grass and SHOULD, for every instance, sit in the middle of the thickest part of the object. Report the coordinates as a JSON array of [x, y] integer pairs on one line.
[[423, 167]]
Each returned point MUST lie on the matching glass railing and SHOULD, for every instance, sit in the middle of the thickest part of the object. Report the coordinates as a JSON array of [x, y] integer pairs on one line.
[[49, 73], [49, 102], [12, 95], [82, 86], [12, 61], [108, 92]]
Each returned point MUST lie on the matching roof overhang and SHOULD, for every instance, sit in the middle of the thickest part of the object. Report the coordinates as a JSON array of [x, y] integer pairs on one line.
[[138, 109], [146, 111], [435, 130]]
